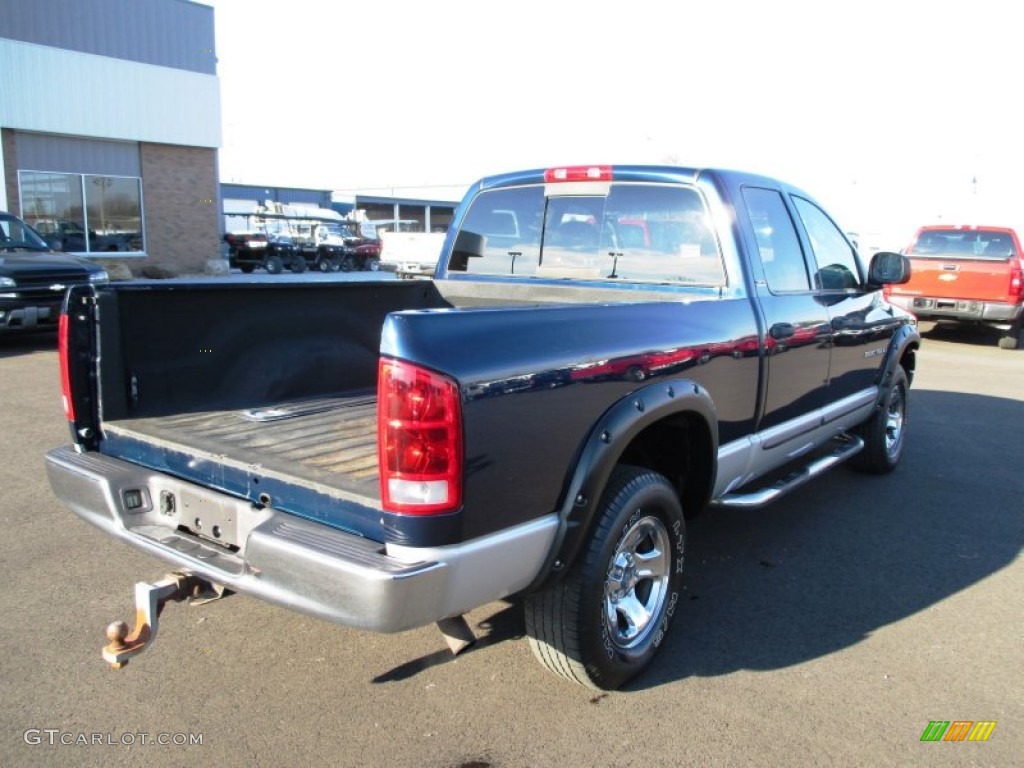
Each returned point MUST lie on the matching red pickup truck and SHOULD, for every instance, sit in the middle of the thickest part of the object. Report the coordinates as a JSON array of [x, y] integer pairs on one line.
[[969, 274]]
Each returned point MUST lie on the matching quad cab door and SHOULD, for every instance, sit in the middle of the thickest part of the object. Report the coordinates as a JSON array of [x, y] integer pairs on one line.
[[797, 326], [827, 334]]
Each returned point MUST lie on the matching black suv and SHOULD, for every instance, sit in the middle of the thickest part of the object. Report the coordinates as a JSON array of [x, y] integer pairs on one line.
[[34, 279]]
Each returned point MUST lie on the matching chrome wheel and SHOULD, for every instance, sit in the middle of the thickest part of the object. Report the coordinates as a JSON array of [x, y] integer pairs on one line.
[[894, 422], [637, 583]]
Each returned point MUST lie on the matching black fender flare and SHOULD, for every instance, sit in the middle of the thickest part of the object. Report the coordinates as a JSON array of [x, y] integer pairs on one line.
[[906, 338], [602, 450]]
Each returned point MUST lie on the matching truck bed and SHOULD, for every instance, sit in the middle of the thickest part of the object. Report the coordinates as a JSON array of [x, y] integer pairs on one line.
[[327, 444], [267, 391]]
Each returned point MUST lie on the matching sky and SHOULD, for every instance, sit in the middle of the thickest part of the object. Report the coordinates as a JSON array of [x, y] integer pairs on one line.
[[891, 114]]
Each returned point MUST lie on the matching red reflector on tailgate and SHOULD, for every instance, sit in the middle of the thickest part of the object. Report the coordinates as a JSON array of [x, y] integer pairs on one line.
[[419, 446]]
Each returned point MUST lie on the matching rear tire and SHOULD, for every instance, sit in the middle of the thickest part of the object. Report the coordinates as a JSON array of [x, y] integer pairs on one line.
[[298, 265], [884, 433], [1011, 339], [604, 622], [273, 265]]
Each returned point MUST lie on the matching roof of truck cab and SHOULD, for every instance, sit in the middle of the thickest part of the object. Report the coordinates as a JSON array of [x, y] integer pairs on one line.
[[648, 173]]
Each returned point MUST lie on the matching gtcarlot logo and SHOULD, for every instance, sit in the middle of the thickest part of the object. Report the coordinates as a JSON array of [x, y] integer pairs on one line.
[[55, 737]]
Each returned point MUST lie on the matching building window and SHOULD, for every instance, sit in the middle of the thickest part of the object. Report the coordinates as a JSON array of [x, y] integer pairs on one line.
[[84, 213]]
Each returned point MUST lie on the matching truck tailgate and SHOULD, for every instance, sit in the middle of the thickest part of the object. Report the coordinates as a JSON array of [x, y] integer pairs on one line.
[[958, 278]]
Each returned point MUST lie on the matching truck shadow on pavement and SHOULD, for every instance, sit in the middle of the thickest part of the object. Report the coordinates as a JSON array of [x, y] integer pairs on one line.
[[849, 554], [506, 624], [27, 343], [966, 335], [844, 556]]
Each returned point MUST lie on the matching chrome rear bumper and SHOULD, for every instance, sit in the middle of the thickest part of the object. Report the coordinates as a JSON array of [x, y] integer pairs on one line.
[[280, 558], [293, 562]]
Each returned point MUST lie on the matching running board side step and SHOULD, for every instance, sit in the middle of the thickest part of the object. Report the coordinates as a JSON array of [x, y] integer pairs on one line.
[[849, 446]]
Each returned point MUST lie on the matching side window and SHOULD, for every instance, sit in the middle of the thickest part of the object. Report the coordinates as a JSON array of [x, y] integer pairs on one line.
[[777, 242], [837, 264]]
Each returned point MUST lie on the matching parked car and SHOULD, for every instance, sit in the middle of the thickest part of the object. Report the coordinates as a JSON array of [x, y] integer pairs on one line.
[[966, 274], [251, 250], [34, 278]]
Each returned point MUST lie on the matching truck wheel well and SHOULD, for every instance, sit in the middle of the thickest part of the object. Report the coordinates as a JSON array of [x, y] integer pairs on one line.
[[680, 448]]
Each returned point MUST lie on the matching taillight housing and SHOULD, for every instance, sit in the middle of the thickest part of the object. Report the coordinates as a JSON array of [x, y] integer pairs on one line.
[[419, 445], [1016, 279], [65, 367]]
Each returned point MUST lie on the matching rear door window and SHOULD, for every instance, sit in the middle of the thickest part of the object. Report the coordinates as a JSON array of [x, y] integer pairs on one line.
[[785, 269]]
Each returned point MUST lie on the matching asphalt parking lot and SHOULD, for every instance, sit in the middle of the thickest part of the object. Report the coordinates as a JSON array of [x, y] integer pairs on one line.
[[829, 629]]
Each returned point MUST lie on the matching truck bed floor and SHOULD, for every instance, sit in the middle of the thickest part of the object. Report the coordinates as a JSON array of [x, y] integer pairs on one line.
[[328, 443]]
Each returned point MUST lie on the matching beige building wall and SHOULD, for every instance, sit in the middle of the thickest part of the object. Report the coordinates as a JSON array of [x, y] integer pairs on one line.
[[179, 198]]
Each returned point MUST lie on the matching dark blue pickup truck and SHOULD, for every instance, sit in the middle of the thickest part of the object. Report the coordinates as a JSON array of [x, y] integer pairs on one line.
[[602, 352]]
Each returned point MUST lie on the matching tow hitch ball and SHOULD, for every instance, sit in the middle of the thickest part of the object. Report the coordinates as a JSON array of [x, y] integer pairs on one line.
[[150, 600]]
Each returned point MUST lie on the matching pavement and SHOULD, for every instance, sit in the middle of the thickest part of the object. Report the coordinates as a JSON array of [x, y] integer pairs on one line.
[[829, 629]]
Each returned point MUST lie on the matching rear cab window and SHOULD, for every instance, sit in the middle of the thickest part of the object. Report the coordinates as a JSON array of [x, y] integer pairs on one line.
[[629, 232], [955, 242]]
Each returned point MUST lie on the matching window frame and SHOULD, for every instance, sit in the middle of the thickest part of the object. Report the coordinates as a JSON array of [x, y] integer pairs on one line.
[[82, 179]]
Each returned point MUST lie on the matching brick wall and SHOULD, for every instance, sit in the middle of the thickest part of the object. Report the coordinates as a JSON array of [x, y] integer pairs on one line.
[[179, 196], [10, 170]]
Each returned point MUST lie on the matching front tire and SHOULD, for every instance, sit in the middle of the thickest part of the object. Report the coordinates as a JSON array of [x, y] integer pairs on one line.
[[605, 621], [884, 433]]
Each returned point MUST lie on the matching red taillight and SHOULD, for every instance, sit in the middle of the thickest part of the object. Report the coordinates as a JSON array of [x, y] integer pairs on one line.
[[1016, 279], [419, 429], [65, 374], [578, 173]]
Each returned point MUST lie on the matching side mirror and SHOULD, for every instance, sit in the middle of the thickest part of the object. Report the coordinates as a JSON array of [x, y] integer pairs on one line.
[[889, 268], [468, 245]]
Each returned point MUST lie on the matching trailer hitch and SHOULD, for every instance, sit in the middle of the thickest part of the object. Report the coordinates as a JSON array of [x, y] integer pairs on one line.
[[150, 600]]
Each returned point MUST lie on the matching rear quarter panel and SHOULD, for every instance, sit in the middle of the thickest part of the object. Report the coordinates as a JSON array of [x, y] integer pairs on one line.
[[535, 380]]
